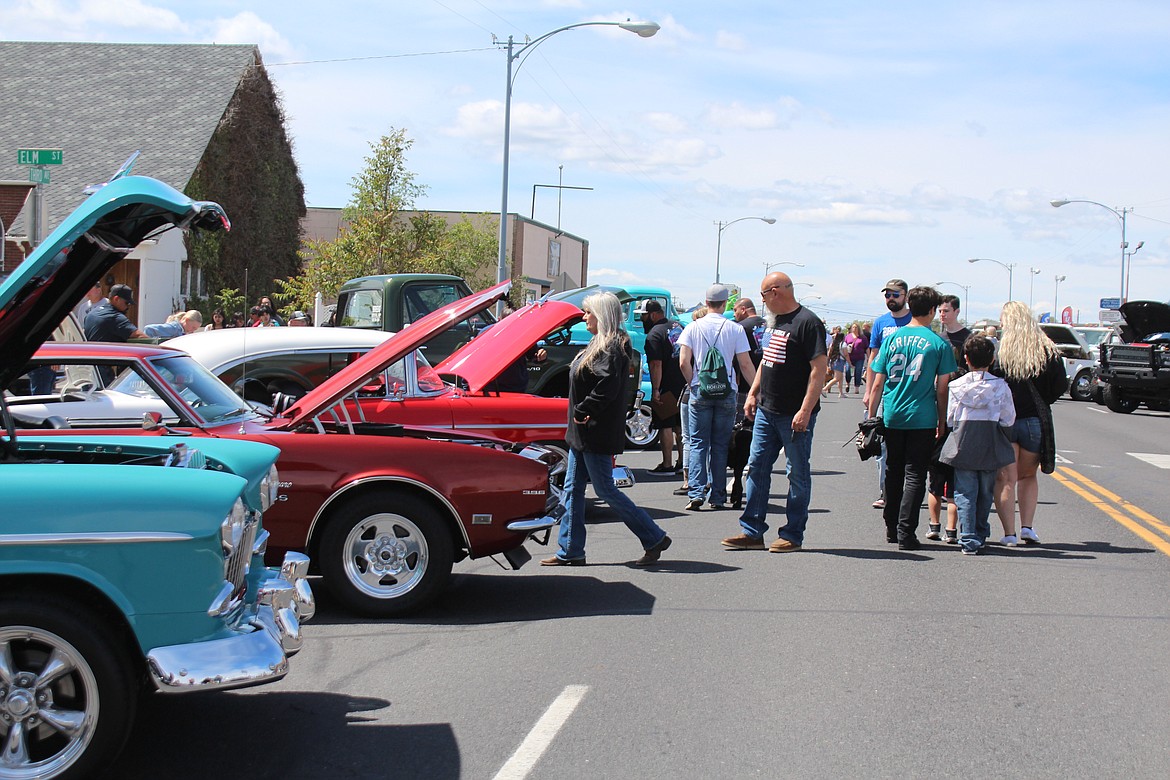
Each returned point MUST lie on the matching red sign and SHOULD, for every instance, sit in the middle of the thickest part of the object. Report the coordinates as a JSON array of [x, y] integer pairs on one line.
[[1066, 315]]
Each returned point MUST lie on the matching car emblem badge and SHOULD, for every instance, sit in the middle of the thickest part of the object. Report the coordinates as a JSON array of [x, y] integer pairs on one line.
[[481, 519]]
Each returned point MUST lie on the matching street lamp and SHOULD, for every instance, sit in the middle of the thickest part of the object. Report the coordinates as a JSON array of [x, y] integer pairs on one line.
[[719, 243], [1121, 216], [966, 288], [808, 298], [1129, 265], [1001, 265], [1056, 294], [1033, 272], [643, 29], [769, 266]]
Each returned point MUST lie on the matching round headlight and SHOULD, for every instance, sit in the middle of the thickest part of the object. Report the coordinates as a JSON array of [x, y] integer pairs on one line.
[[269, 488], [231, 531]]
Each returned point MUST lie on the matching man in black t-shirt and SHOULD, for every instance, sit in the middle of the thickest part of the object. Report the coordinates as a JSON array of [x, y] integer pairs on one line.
[[941, 474], [108, 321], [784, 400], [666, 379]]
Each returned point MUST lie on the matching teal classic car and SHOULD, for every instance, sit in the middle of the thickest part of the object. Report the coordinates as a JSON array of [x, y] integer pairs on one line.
[[126, 562]]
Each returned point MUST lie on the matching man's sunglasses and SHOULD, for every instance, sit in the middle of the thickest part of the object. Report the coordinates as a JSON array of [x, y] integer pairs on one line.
[[892, 294]]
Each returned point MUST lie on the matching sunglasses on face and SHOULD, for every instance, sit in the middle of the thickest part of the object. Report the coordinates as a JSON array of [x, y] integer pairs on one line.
[[892, 294]]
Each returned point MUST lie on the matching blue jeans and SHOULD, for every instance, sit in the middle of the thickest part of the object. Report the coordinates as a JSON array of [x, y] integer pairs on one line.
[[583, 468], [770, 434], [858, 372], [973, 498], [711, 424]]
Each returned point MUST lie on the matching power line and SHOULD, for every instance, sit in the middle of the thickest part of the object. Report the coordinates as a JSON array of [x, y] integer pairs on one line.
[[379, 57]]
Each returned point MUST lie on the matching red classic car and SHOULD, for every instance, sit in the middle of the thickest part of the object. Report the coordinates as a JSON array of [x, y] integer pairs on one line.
[[385, 509]]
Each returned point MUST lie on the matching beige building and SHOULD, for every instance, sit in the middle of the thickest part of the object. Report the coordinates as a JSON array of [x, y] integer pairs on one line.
[[544, 259]]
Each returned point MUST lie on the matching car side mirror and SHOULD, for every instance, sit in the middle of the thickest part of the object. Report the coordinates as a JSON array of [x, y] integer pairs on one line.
[[151, 421]]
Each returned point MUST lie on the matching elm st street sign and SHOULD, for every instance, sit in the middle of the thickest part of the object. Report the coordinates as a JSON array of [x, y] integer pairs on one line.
[[40, 157]]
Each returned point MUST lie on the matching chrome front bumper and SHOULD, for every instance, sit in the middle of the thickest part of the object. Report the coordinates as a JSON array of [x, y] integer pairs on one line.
[[259, 653]]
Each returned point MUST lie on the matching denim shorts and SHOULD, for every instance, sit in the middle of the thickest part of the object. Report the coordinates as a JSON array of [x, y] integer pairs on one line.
[[1026, 433]]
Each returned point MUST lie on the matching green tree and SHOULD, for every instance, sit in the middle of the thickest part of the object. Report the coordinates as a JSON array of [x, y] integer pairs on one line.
[[377, 237]]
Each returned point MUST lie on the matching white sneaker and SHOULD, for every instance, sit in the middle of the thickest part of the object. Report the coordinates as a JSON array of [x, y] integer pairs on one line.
[[1028, 536], [1009, 541]]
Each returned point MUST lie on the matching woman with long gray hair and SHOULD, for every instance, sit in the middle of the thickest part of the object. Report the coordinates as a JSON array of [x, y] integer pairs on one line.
[[1035, 373], [597, 419]]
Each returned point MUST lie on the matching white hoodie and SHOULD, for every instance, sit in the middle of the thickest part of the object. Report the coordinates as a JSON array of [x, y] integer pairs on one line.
[[979, 409]]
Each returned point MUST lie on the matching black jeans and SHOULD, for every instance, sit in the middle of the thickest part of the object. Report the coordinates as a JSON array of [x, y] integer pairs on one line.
[[907, 459]]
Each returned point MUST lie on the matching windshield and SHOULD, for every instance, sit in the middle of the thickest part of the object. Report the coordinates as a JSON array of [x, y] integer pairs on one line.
[[1093, 335], [210, 398]]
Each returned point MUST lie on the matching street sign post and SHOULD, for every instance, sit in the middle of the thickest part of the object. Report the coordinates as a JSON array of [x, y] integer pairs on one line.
[[38, 175], [1110, 303], [40, 157]]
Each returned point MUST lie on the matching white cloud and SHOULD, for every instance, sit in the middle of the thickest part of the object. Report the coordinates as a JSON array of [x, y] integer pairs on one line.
[[91, 18], [851, 214], [736, 116], [665, 122], [247, 27], [730, 41]]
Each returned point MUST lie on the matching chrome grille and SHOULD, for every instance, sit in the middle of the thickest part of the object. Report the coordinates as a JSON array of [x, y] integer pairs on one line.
[[238, 562]]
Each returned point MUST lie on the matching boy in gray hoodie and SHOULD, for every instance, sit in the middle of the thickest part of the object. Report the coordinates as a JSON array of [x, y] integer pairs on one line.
[[980, 410]]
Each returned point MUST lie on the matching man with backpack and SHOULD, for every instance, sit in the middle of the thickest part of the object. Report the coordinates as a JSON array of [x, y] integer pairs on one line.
[[784, 401], [707, 350]]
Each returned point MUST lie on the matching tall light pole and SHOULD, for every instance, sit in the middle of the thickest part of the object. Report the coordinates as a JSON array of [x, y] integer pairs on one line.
[[643, 29], [1032, 273], [1056, 294], [1009, 268], [1129, 265], [808, 298], [719, 242], [1120, 214], [769, 266]]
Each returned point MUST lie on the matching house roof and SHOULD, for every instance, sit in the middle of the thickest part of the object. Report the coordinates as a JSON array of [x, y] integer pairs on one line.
[[99, 102]]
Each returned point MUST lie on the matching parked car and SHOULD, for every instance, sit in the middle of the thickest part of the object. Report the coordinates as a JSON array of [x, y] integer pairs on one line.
[[126, 562], [1137, 370], [1078, 364], [1093, 336], [384, 509]]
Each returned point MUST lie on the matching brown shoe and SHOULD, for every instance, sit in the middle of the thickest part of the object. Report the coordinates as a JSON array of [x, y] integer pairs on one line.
[[555, 561], [743, 542], [654, 553], [783, 545]]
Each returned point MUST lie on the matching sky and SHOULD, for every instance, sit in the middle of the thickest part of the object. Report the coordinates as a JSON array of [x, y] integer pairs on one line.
[[886, 140]]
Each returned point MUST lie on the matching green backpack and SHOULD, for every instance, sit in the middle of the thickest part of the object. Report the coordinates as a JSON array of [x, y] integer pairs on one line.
[[713, 379]]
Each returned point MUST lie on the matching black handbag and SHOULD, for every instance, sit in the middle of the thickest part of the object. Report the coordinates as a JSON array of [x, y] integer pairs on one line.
[[871, 434]]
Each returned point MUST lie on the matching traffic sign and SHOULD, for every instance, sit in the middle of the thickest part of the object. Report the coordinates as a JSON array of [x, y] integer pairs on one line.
[[1109, 315], [38, 175], [39, 157], [1110, 303]]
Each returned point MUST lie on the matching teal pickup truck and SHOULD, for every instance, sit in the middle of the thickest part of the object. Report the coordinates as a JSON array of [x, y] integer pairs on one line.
[[126, 562]]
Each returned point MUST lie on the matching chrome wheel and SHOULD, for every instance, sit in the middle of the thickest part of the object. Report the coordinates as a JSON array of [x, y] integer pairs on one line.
[[1081, 387], [386, 555], [640, 431], [49, 703]]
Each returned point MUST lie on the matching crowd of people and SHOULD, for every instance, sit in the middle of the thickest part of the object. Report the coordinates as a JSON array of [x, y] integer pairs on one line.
[[105, 318], [965, 417]]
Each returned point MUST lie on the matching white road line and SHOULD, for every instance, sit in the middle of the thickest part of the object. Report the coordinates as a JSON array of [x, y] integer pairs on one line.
[[543, 733], [1153, 458], [1098, 411]]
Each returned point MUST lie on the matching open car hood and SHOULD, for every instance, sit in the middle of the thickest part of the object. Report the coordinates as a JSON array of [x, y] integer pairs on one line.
[[101, 231], [390, 351], [482, 359], [1144, 318]]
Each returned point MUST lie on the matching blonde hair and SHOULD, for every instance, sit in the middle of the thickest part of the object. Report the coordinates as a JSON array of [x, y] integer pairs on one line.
[[1024, 349], [610, 333], [700, 313]]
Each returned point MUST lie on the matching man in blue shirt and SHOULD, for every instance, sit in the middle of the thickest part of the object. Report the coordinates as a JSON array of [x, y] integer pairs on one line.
[[108, 321], [911, 374]]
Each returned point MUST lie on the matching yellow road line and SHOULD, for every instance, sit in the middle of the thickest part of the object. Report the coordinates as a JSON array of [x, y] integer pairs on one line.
[[1100, 499]]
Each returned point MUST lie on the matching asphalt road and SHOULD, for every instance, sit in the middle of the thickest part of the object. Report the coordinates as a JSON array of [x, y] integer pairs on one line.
[[849, 658]]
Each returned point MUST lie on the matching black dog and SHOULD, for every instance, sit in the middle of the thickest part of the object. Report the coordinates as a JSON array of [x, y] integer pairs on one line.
[[737, 458]]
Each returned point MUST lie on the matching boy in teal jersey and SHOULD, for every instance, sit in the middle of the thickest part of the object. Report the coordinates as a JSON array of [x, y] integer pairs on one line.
[[911, 373]]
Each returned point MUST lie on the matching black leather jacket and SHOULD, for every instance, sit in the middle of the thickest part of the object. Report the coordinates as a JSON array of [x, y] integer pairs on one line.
[[599, 394]]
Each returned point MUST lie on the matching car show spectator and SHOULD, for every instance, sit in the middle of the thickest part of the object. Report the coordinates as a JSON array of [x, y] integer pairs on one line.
[[712, 407], [666, 383], [897, 315], [596, 432], [1030, 363], [177, 324], [108, 321], [784, 400]]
